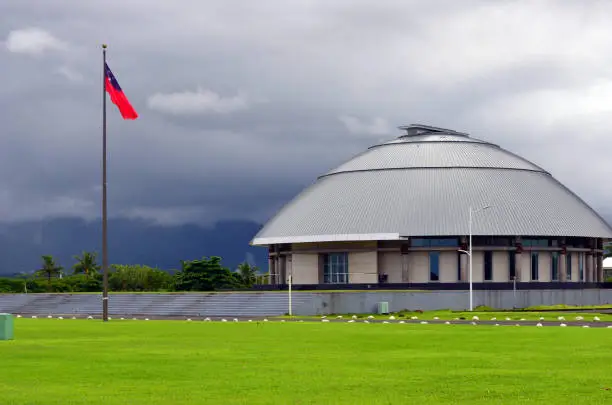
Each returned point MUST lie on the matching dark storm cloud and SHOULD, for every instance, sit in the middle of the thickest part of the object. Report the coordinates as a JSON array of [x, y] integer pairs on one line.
[[244, 103]]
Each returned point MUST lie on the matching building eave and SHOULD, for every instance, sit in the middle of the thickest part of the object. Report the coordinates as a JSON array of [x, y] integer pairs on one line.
[[325, 238]]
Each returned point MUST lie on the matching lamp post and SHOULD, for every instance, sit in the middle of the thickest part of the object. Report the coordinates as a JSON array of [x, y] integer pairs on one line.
[[469, 252], [290, 280]]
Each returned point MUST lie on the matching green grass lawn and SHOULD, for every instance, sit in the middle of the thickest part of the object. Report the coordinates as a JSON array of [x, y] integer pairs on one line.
[[174, 363]]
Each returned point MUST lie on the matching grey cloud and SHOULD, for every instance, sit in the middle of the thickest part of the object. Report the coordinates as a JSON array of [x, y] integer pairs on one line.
[[467, 65]]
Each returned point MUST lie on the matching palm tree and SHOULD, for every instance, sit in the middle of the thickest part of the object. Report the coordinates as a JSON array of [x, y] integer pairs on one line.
[[247, 274], [49, 269], [86, 264]]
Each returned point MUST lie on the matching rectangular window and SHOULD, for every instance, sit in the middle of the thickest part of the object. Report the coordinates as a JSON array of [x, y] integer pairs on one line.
[[535, 275], [418, 242], [488, 265], [335, 268], [434, 242], [512, 265], [491, 241], [554, 266], [537, 242], [568, 266], [434, 266], [581, 266]]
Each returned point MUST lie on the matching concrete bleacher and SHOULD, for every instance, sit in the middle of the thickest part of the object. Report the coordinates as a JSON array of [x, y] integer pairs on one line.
[[239, 304]]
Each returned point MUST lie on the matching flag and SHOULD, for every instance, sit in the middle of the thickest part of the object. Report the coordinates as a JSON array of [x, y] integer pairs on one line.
[[117, 96]]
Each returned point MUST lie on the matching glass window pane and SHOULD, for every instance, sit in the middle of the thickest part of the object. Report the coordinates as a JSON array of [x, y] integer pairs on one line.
[[418, 242], [554, 266], [434, 266], [488, 265], [512, 264], [335, 268], [534, 266]]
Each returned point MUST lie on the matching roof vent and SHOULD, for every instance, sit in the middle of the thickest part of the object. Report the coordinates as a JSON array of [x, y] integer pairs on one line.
[[418, 129]]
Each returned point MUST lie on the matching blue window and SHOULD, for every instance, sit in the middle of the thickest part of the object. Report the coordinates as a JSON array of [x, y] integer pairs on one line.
[[535, 274], [335, 268], [434, 242], [537, 242], [488, 265], [581, 265], [512, 264], [434, 266], [554, 266], [568, 265]]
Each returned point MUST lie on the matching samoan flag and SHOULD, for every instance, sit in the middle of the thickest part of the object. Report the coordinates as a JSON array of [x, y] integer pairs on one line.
[[117, 96]]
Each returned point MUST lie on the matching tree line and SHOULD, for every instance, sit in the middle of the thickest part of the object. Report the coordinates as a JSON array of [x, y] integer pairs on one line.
[[205, 274]]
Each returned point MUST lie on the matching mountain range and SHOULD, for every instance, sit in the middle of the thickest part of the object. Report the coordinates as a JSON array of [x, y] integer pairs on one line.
[[129, 242]]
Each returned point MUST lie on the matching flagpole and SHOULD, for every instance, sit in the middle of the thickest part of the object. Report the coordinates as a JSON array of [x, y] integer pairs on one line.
[[104, 211]]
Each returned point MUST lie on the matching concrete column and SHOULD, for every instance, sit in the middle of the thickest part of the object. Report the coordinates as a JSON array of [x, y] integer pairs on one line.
[[588, 271], [282, 269], [271, 270], [405, 261], [600, 272], [322, 269], [405, 268], [518, 260], [562, 268], [277, 265], [463, 262]]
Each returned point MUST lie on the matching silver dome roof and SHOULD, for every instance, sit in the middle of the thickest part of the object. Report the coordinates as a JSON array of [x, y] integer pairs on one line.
[[422, 184]]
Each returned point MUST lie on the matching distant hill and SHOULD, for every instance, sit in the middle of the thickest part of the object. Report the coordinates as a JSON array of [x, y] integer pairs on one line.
[[130, 242]]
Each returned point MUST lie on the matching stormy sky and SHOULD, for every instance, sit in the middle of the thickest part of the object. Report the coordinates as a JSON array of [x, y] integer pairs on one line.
[[244, 103]]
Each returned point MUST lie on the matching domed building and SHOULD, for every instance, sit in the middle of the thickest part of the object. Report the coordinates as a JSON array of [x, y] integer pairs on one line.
[[401, 212]]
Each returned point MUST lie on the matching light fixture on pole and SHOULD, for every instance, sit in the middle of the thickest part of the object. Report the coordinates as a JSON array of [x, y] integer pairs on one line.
[[469, 252]]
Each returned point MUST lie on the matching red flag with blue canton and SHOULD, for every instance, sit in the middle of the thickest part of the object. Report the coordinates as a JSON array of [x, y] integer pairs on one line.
[[117, 96]]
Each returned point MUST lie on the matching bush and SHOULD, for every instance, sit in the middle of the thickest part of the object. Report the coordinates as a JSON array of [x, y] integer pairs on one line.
[[11, 285]]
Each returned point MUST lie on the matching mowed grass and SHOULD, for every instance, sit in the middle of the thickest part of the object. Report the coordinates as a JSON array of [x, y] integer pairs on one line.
[[176, 362]]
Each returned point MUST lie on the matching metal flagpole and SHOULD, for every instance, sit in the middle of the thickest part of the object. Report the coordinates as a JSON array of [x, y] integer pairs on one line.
[[104, 212]]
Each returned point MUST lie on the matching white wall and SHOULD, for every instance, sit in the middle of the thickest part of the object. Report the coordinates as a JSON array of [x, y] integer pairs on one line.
[[305, 267], [390, 263], [544, 268], [418, 267], [363, 267], [525, 266], [477, 267], [501, 266], [448, 267]]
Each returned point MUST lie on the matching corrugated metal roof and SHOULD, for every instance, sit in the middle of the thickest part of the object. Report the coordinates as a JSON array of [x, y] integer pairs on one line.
[[435, 154], [423, 185], [432, 202]]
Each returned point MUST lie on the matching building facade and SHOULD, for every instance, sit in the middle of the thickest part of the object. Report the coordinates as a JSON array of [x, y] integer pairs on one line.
[[403, 212]]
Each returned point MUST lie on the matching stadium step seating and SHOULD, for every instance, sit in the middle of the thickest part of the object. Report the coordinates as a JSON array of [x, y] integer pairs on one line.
[[163, 305]]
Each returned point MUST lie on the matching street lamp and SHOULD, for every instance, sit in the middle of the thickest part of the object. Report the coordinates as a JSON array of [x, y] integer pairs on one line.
[[469, 253]]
